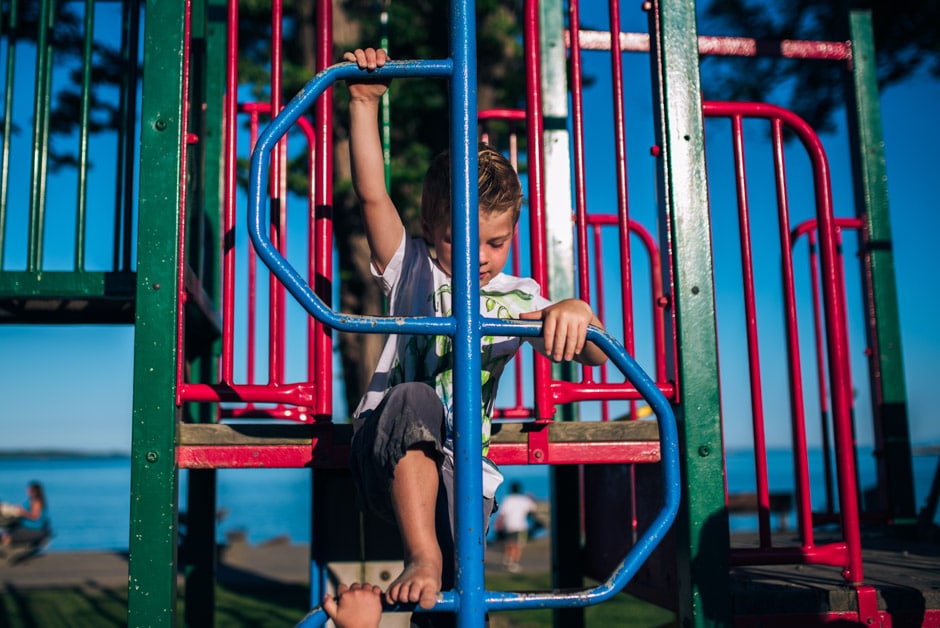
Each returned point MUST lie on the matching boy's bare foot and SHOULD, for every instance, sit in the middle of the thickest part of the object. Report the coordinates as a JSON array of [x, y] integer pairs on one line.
[[419, 582]]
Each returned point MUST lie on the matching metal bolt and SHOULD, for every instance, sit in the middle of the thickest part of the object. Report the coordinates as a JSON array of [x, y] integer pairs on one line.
[[704, 450], [694, 289], [156, 286], [152, 456], [160, 124], [538, 454], [654, 150]]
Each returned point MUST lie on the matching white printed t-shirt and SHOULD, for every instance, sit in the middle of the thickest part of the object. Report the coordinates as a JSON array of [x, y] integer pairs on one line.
[[416, 286]]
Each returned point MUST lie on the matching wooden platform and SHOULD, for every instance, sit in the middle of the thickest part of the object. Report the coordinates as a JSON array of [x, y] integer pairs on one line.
[[904, 573], [326, 445]]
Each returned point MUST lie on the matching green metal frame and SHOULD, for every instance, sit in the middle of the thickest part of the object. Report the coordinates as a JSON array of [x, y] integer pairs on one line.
[[702, 527], [154, 476], [886, 363]]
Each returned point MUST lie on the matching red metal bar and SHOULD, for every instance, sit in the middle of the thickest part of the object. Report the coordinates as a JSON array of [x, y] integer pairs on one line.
[[322, 345], [273, 457], [751, 333], [834, 554], [278, 216], [797, 415], [726, 46], [834, 308], [576, 453], [623, 203], [230, 141], [601, 309], [512, 116], [252, 299], [299, 394], [568, 392], [808, 228], [330, 455], [577, 145], [545, 408]]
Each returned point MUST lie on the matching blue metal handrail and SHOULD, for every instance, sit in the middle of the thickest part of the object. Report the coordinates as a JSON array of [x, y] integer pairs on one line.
[[469, 599]]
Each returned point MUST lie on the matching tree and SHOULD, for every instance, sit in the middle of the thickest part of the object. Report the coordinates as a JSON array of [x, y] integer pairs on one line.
[[905, 42]]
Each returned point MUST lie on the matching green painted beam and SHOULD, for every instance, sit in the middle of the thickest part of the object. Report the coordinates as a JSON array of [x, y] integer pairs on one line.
[[67, 284], [154, 477], [886, 363], [702, 526]]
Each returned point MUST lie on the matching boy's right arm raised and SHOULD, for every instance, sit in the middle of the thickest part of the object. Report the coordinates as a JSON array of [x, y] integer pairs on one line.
[[383, 226]]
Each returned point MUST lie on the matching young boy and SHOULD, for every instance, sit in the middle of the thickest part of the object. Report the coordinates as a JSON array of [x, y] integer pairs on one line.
[[401, 450]]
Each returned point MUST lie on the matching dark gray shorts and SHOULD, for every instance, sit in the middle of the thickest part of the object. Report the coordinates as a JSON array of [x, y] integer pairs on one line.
[[410, 415]]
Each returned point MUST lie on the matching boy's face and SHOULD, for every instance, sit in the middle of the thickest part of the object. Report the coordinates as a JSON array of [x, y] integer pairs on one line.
[[496, 231]]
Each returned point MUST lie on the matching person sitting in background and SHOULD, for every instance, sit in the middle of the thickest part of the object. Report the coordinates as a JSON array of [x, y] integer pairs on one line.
[[32, 519], [355, 606]]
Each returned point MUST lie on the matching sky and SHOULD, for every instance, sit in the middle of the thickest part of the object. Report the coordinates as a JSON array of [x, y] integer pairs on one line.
[[71, 387]]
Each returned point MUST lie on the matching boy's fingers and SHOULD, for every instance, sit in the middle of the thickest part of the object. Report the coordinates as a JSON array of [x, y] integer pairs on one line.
[[329, 605]]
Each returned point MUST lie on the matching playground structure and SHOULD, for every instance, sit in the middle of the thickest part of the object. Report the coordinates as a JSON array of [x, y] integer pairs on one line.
[[184, 293]]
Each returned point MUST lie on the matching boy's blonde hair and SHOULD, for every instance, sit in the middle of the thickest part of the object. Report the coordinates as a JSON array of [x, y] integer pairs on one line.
[[499, 188]]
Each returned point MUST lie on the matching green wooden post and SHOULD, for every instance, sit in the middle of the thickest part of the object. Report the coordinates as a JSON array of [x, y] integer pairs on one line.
[[886, 364], [153, 538], [702, 526]]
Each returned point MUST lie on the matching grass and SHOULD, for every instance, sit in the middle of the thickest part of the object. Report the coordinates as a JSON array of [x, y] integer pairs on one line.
[[81, 607], [94, 607]]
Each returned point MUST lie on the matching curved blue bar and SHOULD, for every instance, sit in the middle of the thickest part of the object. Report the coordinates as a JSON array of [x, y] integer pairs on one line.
[[257, 201], [669, 452]]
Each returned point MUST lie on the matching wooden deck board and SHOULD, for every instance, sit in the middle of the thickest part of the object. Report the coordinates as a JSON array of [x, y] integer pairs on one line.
[[905, 574]]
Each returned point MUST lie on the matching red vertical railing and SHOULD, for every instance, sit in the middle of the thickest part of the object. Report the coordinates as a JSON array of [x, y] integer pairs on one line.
[[586, 225], [513, 117], [847, 552], [275, 398], [808, 228]]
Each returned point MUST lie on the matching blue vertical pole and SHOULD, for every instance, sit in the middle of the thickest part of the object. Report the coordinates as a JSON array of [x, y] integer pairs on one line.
[[468, 506]]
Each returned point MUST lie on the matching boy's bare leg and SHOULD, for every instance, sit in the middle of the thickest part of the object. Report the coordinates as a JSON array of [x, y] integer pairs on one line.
[[414, 498]]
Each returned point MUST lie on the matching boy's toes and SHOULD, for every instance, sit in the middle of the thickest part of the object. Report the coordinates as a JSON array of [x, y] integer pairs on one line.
[[427, 599]]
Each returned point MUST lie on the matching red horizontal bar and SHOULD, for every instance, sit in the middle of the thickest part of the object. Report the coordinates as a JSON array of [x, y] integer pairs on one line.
[[296, 456], [567, 392], [726, 46], [821, 618], [300, 394], [512, 115], [577, 453], [833, 554], [252, 456]]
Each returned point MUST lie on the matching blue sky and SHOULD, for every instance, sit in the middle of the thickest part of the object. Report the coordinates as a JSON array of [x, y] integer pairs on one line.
[[71, 387]]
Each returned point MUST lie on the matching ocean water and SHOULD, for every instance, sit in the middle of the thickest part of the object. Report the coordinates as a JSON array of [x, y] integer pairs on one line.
[[89, 498]]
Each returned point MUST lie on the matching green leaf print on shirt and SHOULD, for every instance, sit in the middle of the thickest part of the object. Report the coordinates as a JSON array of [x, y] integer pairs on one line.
[[430, 359]]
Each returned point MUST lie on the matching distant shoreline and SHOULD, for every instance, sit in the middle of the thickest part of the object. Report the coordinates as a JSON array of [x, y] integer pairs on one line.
[[58, 454]]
